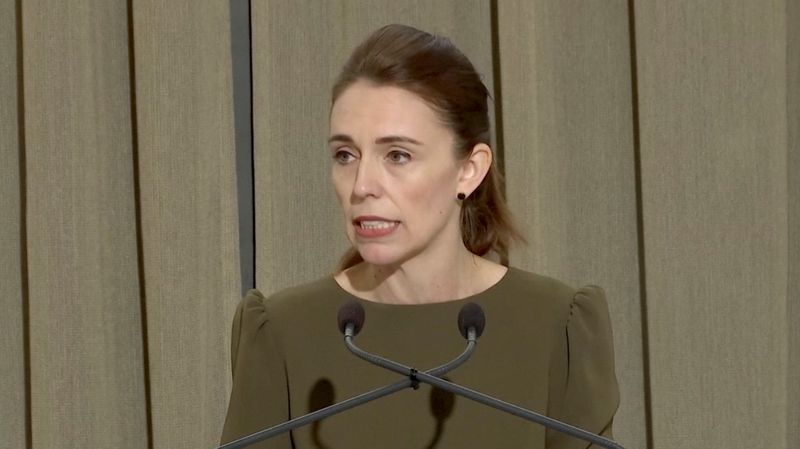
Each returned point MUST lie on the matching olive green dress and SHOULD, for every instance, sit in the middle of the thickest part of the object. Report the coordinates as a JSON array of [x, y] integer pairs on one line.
[[546, 347]]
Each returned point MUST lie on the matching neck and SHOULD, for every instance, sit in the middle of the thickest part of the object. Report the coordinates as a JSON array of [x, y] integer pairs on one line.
[[425, 278]]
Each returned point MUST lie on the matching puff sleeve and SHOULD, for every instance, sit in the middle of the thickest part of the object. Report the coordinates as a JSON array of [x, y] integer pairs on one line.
[[259, 394], [583, 387]]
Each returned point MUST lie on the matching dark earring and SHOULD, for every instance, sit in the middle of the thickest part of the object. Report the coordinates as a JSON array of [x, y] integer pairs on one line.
[[461, 196]]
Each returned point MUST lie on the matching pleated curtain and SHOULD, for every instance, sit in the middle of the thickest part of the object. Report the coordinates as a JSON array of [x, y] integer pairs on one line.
[[649, 147]]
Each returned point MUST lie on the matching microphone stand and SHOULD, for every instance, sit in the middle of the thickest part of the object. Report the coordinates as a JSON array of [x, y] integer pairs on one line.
[[416, 376], [349, 403]]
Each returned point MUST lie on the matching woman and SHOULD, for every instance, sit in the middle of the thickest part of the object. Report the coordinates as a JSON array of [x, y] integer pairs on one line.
[[413, 170]]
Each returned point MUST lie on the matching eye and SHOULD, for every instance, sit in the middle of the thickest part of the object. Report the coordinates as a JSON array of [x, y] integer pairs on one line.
[[399, 157], [343, 156]]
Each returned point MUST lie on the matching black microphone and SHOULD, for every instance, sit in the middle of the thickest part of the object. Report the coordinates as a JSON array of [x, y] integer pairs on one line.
[[471, 322], [352, 314], [471, 316], [350, 320]]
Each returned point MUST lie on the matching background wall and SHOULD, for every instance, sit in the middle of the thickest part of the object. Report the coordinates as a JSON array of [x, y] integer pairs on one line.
[[649, 147], [120, 258], [714, 194]]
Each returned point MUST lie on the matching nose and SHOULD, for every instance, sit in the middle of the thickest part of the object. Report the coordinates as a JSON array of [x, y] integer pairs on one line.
[[368, 179]]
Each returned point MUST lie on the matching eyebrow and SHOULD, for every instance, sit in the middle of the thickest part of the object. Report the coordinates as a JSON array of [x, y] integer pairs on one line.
[[379, 141]]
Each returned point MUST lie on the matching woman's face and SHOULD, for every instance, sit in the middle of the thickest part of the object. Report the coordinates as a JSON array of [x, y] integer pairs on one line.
[[395, 173]]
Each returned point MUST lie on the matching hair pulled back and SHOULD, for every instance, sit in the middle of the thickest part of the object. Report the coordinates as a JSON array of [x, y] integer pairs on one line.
[[434, 69]]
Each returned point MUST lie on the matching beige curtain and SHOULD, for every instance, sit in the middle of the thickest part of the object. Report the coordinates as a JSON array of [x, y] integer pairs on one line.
[[120, 257], [649, 147]]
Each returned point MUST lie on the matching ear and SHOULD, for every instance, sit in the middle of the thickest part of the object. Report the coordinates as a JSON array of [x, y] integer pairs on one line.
[[474, 168]]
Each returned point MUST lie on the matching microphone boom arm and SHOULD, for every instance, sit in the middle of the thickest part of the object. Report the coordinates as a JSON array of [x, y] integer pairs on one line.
[[355, 401], [428, 377], [517, 411], [407, 370], [322, 413]]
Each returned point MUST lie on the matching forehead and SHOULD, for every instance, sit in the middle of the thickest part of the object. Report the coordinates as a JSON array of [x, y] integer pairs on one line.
[[365, 108]]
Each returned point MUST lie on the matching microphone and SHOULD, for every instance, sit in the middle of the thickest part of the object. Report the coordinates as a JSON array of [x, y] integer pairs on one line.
[[350, 321], [471, 316], [471, 322], [351, 314]]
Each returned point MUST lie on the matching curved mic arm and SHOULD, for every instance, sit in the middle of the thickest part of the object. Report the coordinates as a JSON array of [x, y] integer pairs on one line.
[[416, 377], [407, 370], [372, 358], [518, 411], [472, 338]]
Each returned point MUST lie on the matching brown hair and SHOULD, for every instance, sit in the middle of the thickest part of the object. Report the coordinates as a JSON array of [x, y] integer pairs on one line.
[[433, 68]]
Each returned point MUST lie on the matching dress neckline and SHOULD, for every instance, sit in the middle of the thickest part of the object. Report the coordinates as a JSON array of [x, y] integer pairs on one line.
[[471, 298]]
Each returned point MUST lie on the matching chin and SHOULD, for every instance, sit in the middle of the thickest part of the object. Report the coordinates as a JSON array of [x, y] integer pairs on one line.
[[380, 255]]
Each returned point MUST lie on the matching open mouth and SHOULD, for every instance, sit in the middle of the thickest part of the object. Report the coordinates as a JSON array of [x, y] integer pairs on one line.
[[376, 224], [374, 227]]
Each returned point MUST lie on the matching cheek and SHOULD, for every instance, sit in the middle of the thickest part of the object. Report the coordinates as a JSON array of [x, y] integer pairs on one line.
[[432, 193], [341, 184]]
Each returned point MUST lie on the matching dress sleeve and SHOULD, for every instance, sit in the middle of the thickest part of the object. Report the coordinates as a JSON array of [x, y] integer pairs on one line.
[[259, 397], [583, 385]]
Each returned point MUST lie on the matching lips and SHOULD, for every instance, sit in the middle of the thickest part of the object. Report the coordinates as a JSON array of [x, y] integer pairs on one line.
[[374, 227]]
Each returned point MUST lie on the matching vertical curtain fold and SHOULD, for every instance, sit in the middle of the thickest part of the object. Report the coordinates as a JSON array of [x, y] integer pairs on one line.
[[712, 91], [570, 171], [85, 341], [12, 347], [793, 172], [187, 188]]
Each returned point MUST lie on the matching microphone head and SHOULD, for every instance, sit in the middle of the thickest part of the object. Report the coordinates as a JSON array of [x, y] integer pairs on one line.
[[471, 315], [351, 312]]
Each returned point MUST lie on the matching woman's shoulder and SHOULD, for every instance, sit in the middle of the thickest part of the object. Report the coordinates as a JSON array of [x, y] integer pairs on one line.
[[538, 284], [285, 301], [555, 292]]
